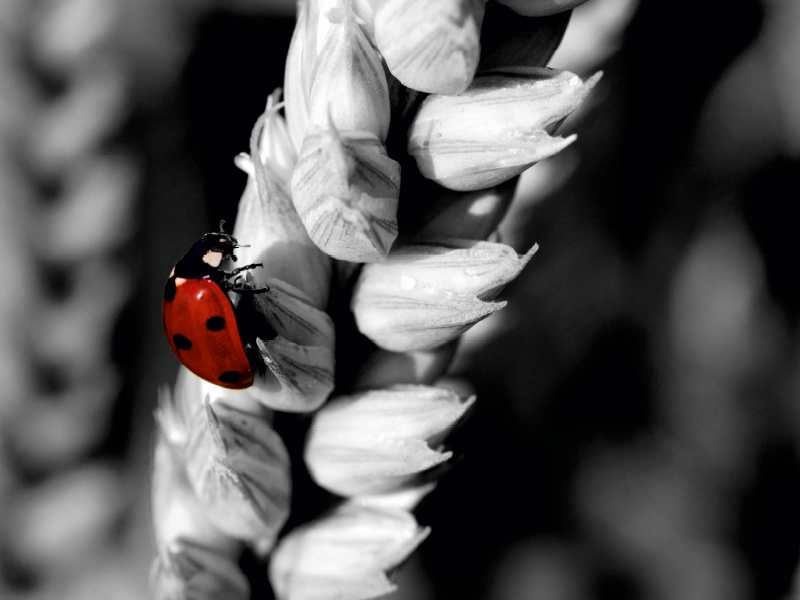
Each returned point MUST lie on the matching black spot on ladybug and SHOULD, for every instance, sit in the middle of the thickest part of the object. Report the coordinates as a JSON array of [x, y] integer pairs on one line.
[[215, 323], [169, 290], [182, 342], [230, 377]]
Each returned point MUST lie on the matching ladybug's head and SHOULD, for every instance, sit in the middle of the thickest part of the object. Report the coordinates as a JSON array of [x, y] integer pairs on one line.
[[217, 247]]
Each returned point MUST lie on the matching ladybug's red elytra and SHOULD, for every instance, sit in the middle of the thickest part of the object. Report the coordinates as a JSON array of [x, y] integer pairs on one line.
[[199, 318]]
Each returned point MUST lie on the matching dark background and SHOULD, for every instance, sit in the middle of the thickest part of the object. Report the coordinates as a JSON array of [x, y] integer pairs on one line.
[[636, 432]]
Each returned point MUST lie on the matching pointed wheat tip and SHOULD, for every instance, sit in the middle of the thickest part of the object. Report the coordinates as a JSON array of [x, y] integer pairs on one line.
[[592, 81], [244, 163], [274, 102]]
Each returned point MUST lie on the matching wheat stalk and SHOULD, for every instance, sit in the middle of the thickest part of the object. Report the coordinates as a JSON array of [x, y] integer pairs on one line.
[[365, 168]]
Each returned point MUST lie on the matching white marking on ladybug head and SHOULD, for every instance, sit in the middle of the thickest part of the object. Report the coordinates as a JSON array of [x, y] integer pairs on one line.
[[212, 258], [179, 281], [223, 240], [171, 273]]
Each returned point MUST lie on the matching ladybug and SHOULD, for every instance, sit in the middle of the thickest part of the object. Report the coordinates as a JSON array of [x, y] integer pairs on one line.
[[199, 318]]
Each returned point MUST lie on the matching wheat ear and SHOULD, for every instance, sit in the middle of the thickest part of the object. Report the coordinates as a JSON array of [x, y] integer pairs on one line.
[[452, 99]]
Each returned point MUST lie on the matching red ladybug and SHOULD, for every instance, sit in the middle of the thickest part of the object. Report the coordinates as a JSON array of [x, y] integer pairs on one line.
[[199, 318]]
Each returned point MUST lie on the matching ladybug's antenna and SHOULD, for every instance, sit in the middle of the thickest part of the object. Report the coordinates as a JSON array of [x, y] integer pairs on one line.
[[221, 223]]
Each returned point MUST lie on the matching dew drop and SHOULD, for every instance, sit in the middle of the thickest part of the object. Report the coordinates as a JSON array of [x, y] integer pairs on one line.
[[407, 283]]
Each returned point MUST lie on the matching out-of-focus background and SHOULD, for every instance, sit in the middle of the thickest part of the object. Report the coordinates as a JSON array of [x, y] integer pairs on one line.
[[638, 425]]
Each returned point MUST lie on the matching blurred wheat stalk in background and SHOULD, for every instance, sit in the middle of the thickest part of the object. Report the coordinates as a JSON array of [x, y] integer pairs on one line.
[[69, 215], [455, 95], [67, 211]]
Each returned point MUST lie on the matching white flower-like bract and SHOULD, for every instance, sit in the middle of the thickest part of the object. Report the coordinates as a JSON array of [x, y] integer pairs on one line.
[[345, 554], [378, 440], [496, 129], [424, 296]]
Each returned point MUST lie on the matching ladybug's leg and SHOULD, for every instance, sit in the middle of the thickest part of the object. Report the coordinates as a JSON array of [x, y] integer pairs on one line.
[[233, 279], [235, 286], [245, 268], [248, 290]]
